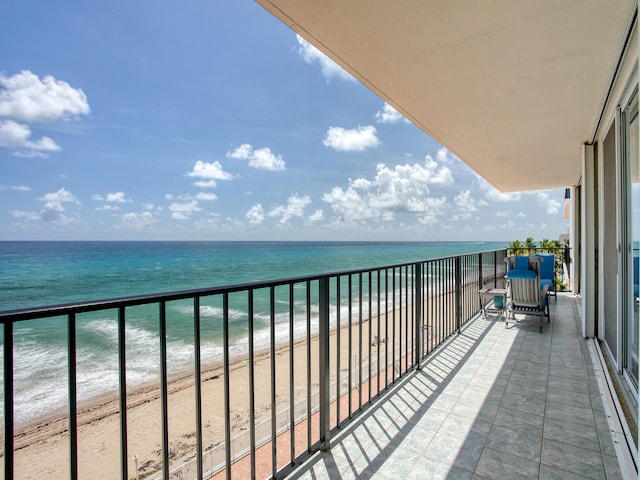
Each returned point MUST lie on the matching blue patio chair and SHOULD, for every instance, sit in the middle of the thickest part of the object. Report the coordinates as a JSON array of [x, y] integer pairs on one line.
[[526, 297], [548, 272]]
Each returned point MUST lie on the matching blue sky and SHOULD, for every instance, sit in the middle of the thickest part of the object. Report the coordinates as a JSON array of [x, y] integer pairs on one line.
[[213, 121]]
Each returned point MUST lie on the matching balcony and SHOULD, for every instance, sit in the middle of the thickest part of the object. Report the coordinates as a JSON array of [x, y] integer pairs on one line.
[[490, 403], [394, 375]]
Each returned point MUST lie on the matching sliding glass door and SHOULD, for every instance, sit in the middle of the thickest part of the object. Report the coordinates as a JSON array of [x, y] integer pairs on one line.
[[630, 182]]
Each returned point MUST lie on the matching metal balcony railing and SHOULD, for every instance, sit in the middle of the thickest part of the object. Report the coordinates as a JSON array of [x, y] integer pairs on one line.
[[360, 331]]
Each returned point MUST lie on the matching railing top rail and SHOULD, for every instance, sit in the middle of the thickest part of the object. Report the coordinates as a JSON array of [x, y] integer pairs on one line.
[[45, 311]]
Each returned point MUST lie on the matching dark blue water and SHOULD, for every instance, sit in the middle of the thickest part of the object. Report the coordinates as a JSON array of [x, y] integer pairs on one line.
[[48, 273]]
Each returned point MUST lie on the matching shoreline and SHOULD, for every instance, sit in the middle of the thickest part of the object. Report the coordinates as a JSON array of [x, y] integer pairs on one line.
[[41, 446], [107, 404]]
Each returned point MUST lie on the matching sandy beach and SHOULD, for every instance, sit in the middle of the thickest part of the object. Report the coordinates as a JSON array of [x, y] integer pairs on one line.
[[42, 449]]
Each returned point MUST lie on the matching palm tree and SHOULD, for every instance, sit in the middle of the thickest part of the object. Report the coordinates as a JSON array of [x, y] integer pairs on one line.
[[516, 247], [546, 245], [530, 245]]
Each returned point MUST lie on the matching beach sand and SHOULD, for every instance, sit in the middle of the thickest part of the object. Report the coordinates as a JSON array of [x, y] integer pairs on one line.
[[42, 448]]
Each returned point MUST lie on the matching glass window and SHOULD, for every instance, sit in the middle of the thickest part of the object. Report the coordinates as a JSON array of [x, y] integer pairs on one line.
[[631, 177]]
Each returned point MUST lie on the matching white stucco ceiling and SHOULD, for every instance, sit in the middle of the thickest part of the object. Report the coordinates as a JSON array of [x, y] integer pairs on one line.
[[513, 88]]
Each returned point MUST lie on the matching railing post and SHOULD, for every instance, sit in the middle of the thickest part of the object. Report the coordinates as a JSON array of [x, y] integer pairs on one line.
[[8, 400], [122, 369], [495, 269], [480, 279], [419, 306], [458, 287], [164, 389], [323, 357], [73, 398]]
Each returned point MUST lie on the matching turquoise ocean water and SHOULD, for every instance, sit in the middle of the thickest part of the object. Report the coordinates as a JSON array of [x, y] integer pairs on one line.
[[47, 273]]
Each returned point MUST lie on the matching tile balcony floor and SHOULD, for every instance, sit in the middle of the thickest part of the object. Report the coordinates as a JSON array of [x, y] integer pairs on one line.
[[493, 403]]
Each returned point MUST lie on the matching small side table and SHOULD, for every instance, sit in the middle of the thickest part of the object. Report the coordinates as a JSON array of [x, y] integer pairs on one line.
[[486, 295]]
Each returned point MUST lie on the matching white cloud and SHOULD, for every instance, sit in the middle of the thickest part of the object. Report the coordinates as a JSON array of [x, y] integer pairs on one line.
[[205, 184], [21, 214], [137, 221], [403, 189], [552, 206], [61, 196], [316, 216], [209, 197], [350, 205], [116, 197], [445, 156], [294, 208], [108, 208], [182, 211], [19, 188], [354, 140], [26, 97], [16, 136], [255, 215], [464, 201], [388, 114], [261, 158], [330, 69], [210, 172], [436, 207], [53, 211]]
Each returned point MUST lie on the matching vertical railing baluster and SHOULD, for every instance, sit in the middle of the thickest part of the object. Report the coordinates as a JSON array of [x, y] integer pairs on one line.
[[441, 312], [450, 301], [122, 376], [451, 294], [323, 368], [400, 357], [226, 383], [393, 323], [408, 312], [272, 358], [360, 341], [413, 315], [461, 288], [418, 305], [197, 382], [309, 408], [8, 400], [495, 269], [252, 389], [73, 399], [370, 323], [292, 403], [350, 347], [386, 328], [407, 317], [378, 332], [164, 391], [465, 269], [458, 296], [338, 349], [429, 316]]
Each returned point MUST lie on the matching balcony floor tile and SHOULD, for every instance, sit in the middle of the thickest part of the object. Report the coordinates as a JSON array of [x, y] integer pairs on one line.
[[495, 402]]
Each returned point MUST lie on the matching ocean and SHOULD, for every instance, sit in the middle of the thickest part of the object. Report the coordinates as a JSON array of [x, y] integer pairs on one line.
[[49, 273]]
